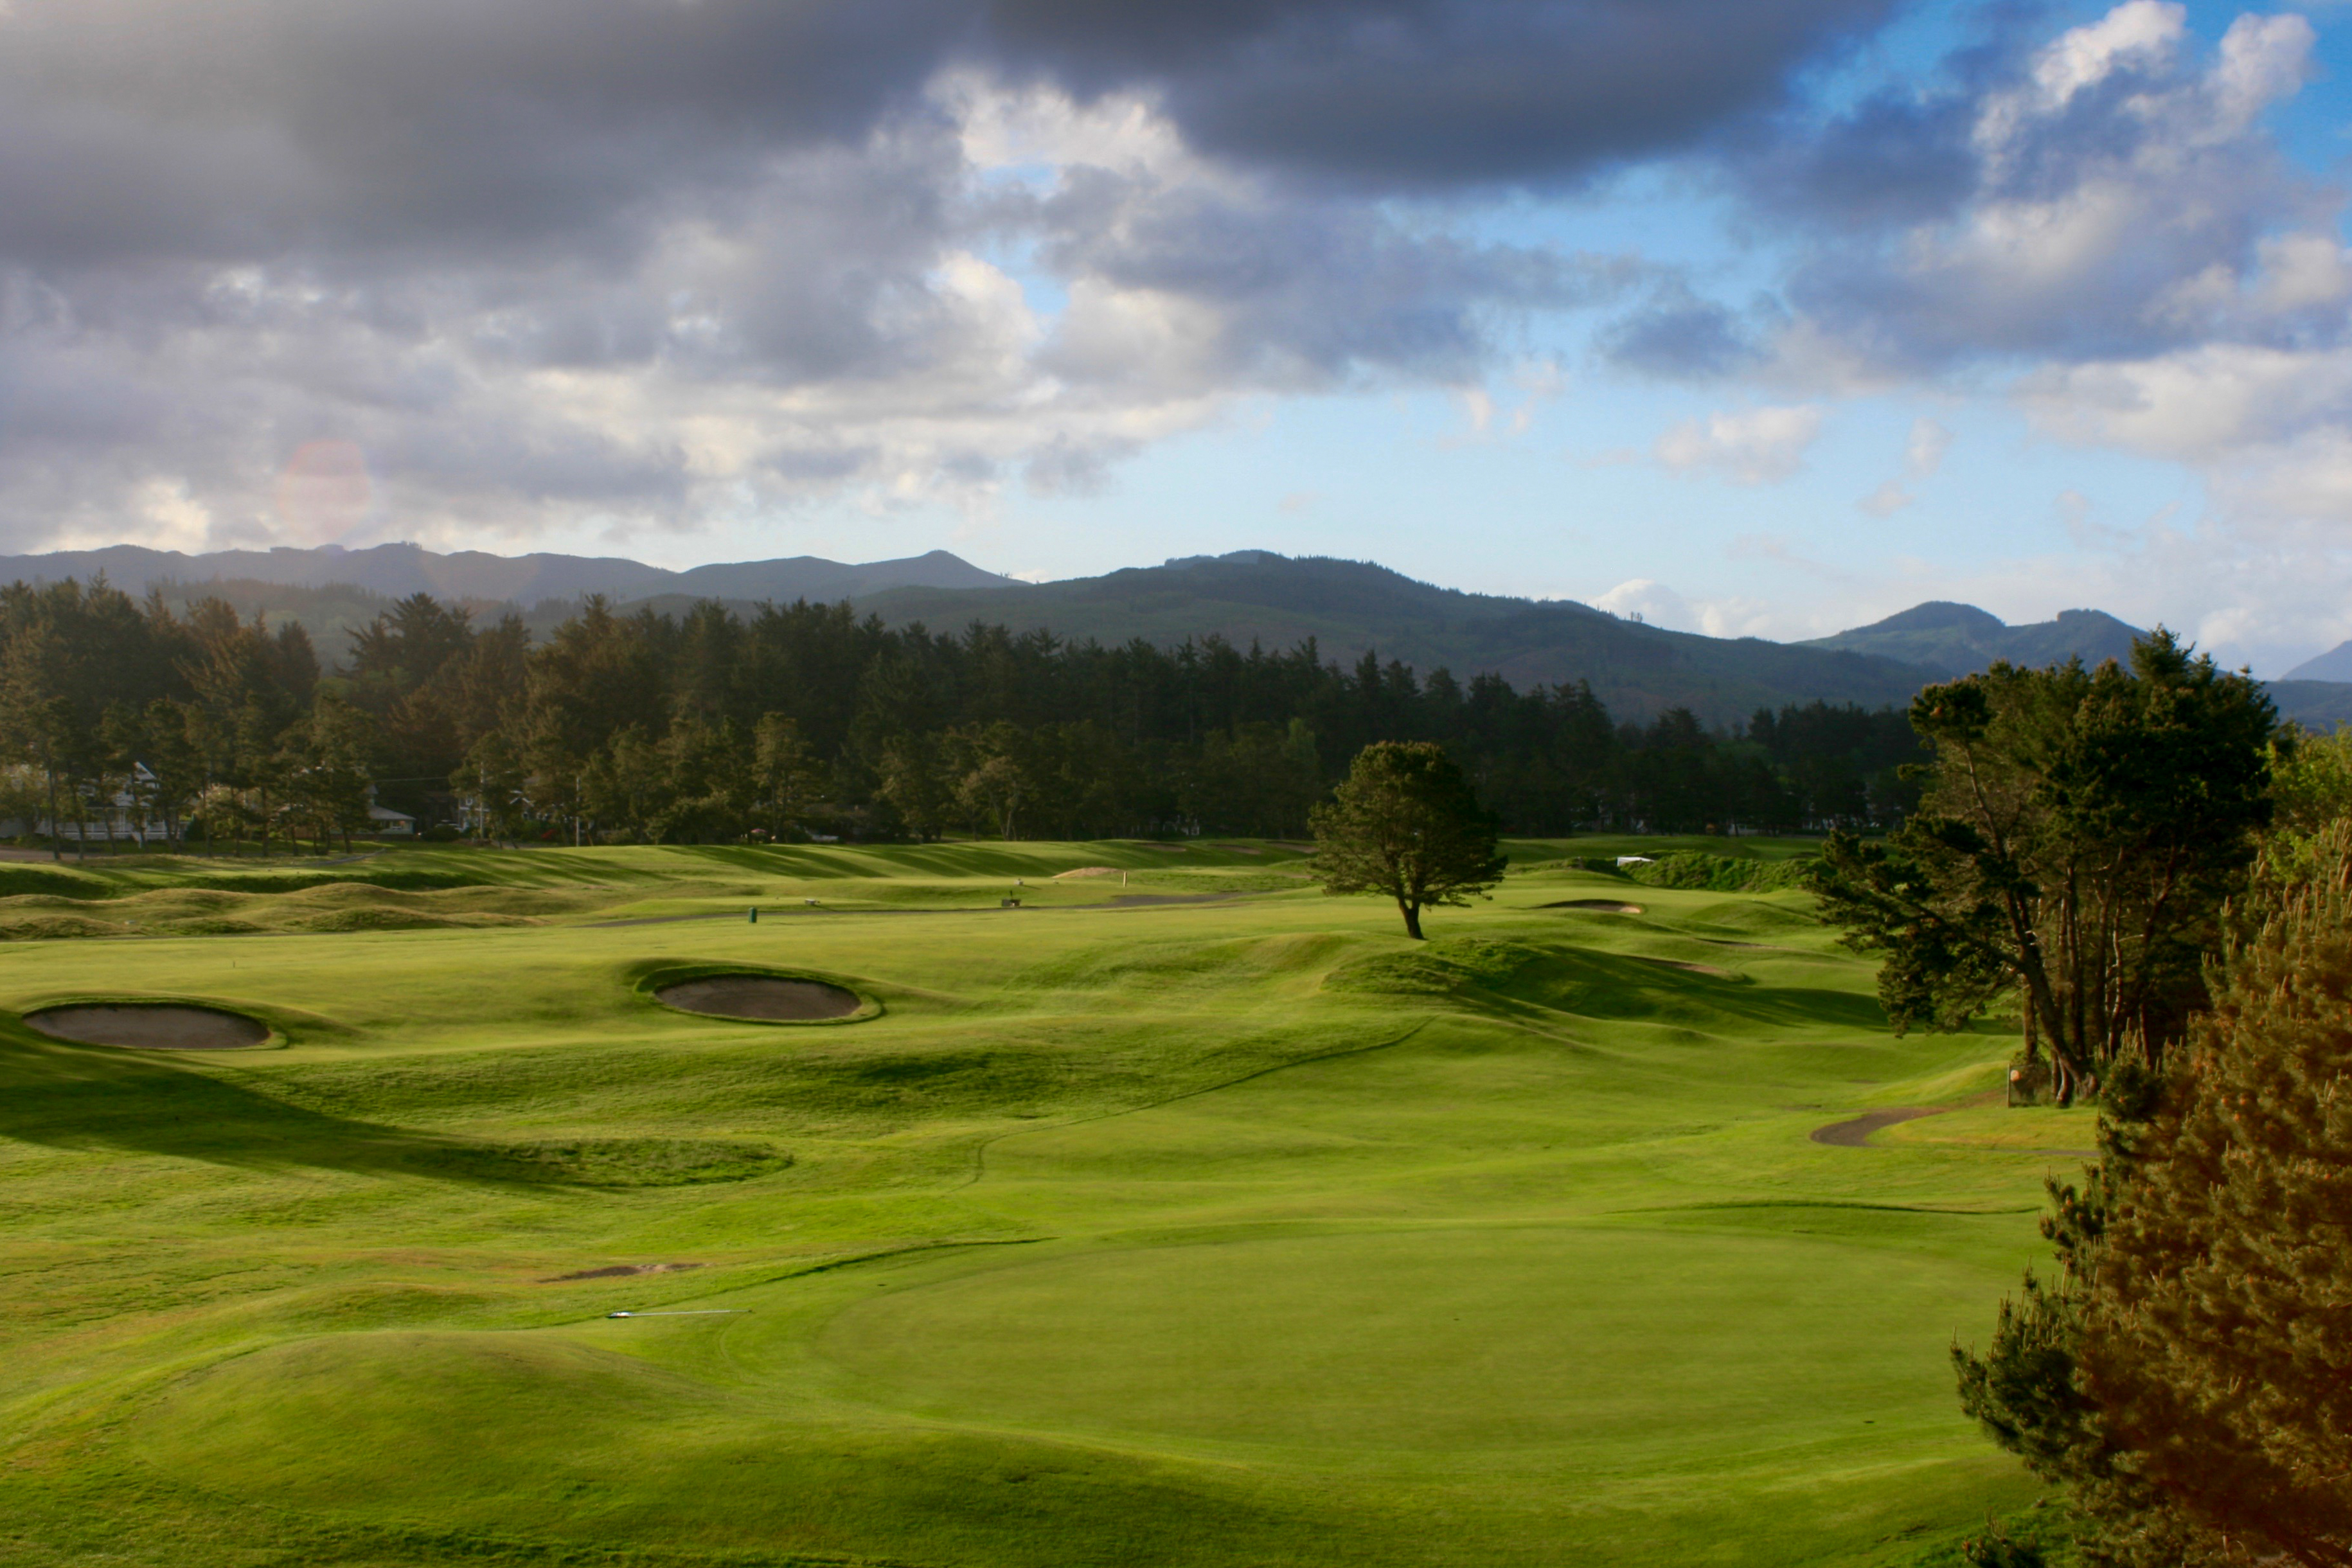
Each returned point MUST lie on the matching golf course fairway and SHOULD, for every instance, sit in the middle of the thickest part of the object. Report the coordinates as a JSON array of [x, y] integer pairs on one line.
[[1183, 1216]]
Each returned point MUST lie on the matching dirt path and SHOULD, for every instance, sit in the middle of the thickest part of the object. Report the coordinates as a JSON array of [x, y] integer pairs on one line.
[[1855, 1131], [1855, 1134]]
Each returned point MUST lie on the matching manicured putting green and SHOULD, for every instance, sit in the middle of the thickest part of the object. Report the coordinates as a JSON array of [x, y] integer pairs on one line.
[[1436, 1341], [766, 997], [150, 1027]]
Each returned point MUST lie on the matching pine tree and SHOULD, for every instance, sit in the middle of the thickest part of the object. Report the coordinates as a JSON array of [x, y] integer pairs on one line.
[[2218, 1338], [784, 774], [2188, 1375]]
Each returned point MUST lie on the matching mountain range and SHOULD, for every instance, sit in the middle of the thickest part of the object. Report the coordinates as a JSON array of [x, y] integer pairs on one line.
[[1350, 608], [396, 570]]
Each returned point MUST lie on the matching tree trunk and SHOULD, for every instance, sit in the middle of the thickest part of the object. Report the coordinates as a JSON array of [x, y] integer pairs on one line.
[[1411, 912], [56, 846]]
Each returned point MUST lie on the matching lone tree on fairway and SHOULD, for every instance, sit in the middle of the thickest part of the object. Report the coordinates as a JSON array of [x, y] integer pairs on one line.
[[1407, 823], [2077, 836]]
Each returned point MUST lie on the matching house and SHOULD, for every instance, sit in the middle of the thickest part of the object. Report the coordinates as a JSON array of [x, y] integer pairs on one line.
[[124, 818], [384, 821]]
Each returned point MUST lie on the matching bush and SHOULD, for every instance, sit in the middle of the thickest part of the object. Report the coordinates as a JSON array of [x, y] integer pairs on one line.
[[1698, 871], [1998, 1548]]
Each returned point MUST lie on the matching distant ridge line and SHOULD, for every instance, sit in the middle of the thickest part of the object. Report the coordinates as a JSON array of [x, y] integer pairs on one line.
[[396, 570]]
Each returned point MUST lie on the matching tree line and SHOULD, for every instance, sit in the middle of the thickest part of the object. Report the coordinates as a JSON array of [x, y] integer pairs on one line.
[[805, 719]]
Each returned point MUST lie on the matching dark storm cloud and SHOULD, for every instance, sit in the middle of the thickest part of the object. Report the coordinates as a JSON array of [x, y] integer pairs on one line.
[[658, 256], [234, 128], [248, 126], [1895, 159], [1423, 94]]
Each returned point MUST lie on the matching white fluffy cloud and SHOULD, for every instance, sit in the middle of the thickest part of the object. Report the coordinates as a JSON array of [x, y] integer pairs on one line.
[[1654, 604], [2119, 196], [1751, 446]]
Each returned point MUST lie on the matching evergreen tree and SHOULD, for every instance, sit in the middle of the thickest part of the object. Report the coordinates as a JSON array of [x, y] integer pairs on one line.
[[2217, 1333], [786, 781], [2186, 1376], [1133, 739], [2077, 836], [37, 717], [333, 759]]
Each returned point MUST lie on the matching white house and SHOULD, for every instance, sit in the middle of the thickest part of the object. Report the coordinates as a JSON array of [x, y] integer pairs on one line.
[[122, 818]]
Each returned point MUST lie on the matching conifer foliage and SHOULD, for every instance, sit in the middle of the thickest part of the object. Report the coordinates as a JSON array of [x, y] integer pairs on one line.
[[2218, 1339], [712, 724], [2188, 1375]]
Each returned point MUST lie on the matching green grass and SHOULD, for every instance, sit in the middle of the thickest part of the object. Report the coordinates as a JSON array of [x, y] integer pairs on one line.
[[1234, 1230]]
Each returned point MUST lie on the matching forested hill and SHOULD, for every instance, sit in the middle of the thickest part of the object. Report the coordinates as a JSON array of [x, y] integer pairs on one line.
[[1348, 609], [802, 718], [1956, 639], [1352, 607]]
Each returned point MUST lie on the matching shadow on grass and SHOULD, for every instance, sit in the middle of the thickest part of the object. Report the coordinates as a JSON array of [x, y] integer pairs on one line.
[[1622, 986], [1591, 984], [92, 1098]]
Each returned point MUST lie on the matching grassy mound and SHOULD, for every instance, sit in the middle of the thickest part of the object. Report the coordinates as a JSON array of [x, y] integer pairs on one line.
[[18, 879], [1440, 968]]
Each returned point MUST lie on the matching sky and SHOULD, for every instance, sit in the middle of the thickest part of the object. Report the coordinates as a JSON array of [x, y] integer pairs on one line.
[[1750, 319]]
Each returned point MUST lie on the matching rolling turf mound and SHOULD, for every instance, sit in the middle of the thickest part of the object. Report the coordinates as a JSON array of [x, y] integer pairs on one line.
[[1237, 1230]]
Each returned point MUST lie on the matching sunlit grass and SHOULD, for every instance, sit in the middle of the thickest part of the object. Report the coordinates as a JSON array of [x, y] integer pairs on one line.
[[1236, 1230]]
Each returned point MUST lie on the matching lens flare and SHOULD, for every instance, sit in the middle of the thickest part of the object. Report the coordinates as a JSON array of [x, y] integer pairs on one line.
[[323, 492]]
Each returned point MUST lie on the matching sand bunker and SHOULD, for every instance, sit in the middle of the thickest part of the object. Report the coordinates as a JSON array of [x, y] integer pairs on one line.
[[1597, 906], [1088, 871], [621, 1271], [165, 1029], [762, 996]]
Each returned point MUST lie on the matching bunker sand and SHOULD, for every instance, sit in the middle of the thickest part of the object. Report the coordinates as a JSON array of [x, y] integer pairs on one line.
[[165, 1029], [761, 996]]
